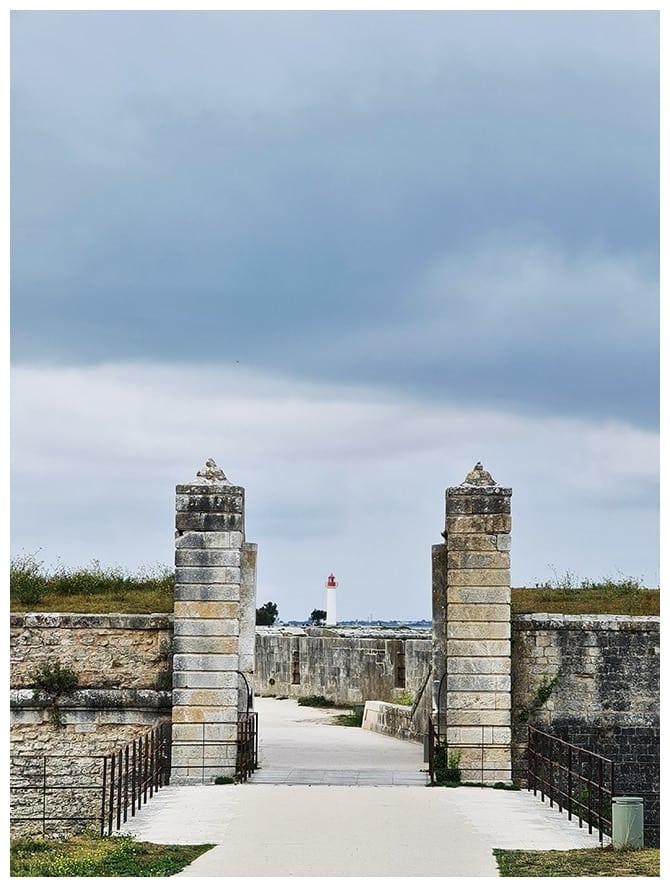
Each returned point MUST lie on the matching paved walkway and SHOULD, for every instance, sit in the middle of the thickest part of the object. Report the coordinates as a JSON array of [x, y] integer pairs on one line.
[[300, 746], [321, 829]]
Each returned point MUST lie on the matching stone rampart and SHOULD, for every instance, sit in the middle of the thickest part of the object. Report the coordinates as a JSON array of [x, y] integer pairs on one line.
[[593, 681], [107, 651], [345, 667]]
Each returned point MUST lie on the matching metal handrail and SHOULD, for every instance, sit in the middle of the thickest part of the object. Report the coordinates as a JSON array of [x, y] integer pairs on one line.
[[132, 774], [100, 789], [574, 778]]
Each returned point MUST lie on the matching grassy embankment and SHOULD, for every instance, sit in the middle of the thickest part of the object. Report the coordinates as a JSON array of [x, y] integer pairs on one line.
[[97, 589]]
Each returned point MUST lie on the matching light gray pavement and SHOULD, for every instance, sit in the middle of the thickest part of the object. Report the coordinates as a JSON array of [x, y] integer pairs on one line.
[[323, 828]]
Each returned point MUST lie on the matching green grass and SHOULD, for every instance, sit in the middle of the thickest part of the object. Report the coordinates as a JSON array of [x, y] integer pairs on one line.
[[597, 862], [86, 856], [92, 589], [621, 595], [404, 698], [353, 718], [98, 589]]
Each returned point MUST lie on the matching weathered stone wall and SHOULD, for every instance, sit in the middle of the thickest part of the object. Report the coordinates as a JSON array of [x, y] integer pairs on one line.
[[391, 720], [345, 668], [107, 651], [593, 681], [124, 667]]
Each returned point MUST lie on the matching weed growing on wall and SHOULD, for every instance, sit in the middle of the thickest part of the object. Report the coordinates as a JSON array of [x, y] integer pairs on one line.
[[542, 693], [52, 679]]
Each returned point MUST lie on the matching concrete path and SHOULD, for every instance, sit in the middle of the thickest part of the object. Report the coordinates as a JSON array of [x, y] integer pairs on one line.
[[299, 745], [320, 830]]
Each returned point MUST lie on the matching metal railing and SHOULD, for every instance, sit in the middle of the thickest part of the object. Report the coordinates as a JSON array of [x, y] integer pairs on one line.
[[212, 752], [49, 792], [575, 779], [53, 793], [247, 746], [132, 775], [480, 769]]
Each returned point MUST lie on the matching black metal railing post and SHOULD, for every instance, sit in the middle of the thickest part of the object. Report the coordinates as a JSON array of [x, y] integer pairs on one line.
[[104, 796], [112, 785]]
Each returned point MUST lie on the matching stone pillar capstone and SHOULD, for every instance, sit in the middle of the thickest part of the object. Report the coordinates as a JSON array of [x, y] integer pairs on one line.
[[472, 628], [209, 549]]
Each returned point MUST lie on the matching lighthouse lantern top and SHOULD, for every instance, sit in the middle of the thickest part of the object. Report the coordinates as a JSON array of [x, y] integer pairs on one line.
[[330, 582]]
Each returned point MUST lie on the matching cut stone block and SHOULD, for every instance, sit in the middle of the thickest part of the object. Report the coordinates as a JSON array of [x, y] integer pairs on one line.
[[479, 613], [480, 578], [482, 595], [478, 630]]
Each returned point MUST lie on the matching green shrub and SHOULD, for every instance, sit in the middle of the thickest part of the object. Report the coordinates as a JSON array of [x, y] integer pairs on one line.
[[224, 780], [316, 701], [404, 698]]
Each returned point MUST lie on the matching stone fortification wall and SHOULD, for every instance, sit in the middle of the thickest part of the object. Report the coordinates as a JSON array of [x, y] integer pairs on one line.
[[593, 681], [106, 651], [604, 669], [392, 720], [123, 663], [347, 667], [124, 667]]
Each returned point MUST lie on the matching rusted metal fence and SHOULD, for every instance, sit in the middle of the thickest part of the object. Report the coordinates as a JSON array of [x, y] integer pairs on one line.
[[65, 793], [131, 775], [574, 779]]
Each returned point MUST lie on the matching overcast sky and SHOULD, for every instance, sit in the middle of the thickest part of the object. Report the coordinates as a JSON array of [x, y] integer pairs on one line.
[[346, 255]]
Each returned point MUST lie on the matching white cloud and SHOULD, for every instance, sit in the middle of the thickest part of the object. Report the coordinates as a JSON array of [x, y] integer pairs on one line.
[[335, 479], [510, 292]]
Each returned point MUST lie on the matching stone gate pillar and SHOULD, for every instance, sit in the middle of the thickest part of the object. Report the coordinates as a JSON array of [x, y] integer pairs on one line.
[[210, 555], [471, 628]]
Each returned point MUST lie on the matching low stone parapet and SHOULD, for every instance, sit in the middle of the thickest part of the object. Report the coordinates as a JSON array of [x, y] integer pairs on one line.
[[391, 719]]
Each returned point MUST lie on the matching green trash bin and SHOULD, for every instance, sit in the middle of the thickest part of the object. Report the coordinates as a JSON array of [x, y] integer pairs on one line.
[[627, 823]]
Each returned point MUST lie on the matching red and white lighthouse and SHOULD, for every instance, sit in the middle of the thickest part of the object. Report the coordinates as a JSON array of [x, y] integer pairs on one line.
[[331, 607]]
